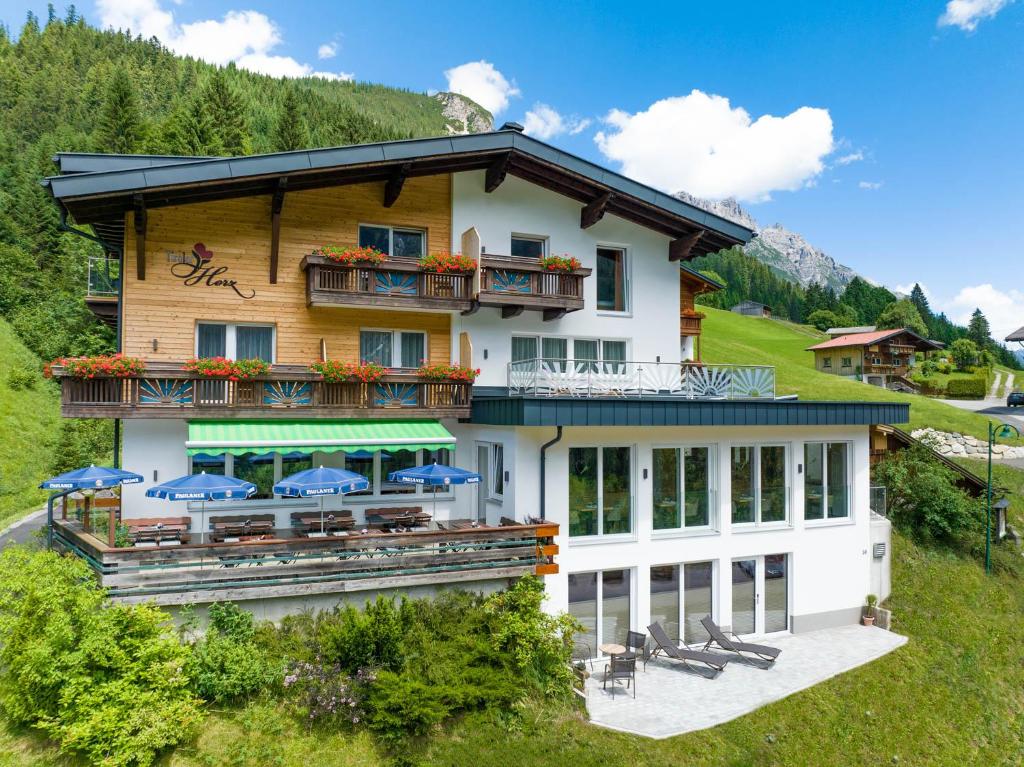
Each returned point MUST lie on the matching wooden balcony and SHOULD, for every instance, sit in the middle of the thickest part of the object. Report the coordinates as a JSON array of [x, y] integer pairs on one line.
[[397, 283], [689, 323], [287, 563], [166, 390], [517, 284]]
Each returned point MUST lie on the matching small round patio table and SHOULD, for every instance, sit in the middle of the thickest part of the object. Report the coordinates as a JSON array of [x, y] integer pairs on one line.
[[612, 649]]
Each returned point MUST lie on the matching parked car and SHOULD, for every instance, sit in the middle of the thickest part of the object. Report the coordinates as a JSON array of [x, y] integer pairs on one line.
[[1016, 399]]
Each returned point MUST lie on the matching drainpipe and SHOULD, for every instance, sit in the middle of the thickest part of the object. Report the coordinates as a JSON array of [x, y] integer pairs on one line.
[[543, 466], [49, 515]]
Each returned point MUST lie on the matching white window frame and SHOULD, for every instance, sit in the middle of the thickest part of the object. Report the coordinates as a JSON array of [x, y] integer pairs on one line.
[[230, 339], [712, 527], [681, 596], [826, 520], [544, 241], [757, 524], [627, 279], [493, 494], [396, 344], [570, 342], [600, 536], [391, 235]]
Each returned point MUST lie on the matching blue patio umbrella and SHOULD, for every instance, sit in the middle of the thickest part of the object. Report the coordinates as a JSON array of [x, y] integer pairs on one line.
[[203, 487], [321, 481], [90, 478], [435, 475]]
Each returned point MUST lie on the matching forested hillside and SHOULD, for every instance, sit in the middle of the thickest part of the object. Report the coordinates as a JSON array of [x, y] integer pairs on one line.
[[65, 86]]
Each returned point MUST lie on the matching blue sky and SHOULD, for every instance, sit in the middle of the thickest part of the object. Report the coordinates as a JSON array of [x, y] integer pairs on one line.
[[889, 134]]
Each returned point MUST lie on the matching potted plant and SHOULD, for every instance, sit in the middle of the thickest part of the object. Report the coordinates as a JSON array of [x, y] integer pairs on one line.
[[869, 611], [458, 373], [564, 264], [334, 371], [99, 366], [447, 263], [222, 367], [351, 256]]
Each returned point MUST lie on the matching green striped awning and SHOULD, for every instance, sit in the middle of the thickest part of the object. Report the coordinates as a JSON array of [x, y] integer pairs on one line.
[[321, 435]]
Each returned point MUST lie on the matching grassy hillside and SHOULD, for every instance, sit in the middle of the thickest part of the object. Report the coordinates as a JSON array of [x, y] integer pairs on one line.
[[733, 338], [29, 428]]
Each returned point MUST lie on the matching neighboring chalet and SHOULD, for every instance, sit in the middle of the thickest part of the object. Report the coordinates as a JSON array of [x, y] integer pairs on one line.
[[836, 332], [1017, 335], [752, 309], [881, 357], [639, 484]]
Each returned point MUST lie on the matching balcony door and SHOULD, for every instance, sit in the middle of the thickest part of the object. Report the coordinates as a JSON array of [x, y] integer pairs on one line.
[[760, 595]]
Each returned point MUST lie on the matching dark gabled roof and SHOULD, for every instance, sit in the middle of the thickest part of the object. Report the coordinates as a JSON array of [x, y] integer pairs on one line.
[[88, 162], [105, 195], [677, 411], [1017, 335], [874, 337], [713, 284]]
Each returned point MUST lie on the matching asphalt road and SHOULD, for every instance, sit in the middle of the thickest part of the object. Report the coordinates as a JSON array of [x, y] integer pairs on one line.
[[24, 529]]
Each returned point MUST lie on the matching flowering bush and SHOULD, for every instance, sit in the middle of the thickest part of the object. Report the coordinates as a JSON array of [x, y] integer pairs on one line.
[[351, 256], [222, 367], [103, 366], [447, 263], [561, 263], [448, 373], [336, 372], [324, 691]]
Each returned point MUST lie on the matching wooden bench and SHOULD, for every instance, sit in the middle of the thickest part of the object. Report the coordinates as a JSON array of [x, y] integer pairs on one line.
[[309, 522], [158, 529], [241, 526], [404, 516]]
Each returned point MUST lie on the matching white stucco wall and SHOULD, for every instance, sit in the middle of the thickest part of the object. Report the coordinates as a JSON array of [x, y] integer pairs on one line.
[[651, 327]]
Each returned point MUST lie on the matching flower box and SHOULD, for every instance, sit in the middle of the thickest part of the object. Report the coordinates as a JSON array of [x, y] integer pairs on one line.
[[448, 263], [351, 256], [99, 366], [334, 371], [231, 370], [564, 264], [457, 373]]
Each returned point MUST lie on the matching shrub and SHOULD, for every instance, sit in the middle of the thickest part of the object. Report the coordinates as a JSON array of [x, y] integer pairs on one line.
[[19, 378], [232, 621], [964, 353], [400, 705], [104, 680], [975, 387], [326, 692], [823, 319], [924, 499], [369, 638]]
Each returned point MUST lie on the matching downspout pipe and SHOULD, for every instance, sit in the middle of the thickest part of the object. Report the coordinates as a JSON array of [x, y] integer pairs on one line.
[[543, 467]]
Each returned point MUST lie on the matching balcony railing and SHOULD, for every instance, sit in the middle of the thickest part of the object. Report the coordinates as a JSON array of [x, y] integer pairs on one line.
[[689, 324], [282, 562], [104, 277], [522, 283], [168, 391], [395, 283], [547, 377]]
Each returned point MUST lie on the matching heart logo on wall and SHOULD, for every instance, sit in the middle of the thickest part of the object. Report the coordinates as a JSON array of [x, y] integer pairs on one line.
[[200, 250]]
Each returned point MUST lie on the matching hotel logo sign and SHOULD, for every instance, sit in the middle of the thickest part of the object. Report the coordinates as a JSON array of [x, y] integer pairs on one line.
[[195, 270]]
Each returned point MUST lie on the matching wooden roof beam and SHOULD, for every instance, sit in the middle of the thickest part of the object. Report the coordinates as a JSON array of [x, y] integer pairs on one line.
[[393, 186], [680, 248], [594, 211], [276, 204], [496, 172], [139, 205]]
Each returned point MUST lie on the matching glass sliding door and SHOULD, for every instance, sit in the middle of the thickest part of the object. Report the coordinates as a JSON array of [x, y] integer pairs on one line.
[[776, 593], [615, 606], [698, 599], [744, 596], [583, 606], [665, 598], [601, 601]]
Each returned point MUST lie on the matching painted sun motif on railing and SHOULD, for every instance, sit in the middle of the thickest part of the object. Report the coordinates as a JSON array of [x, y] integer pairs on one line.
[[165, 391], [287, 393], [753, 383], [506, 281], [390, 394], [394, 283]]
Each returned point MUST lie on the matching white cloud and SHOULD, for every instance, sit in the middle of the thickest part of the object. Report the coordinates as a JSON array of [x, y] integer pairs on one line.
[[246, 38], [870, 185], [1003, 308], [906, 289], [327, 51], [701, 144], [480, 81], [544, 123], [966, 14], [846, 159]]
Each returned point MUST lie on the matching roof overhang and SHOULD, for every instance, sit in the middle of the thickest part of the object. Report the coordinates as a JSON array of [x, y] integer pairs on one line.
[[1017, 335], [669, 411], [106, 195]]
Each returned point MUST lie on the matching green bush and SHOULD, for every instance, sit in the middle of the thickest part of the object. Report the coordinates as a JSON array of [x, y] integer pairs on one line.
[[975, 387], [368, 638], [19, 379], [104, 680], [924, 499], [400, 705]]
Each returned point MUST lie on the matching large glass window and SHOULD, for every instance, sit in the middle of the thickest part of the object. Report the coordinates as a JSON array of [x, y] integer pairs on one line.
[[258, 469], [615, 607], [682, 487], [601, 601], [583, 607], [524, 348], [400, 459], [528, 247], [400, 243], [665, 602], [600, 491], [776, 593], [612, 287], [386, 347], [760, 491], [236, 342], [826, 480], [680, 611], [744, 595], [698, 599]]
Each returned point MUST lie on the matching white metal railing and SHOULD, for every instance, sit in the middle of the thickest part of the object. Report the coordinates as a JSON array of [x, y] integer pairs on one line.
[[552, 377], [104, 276]]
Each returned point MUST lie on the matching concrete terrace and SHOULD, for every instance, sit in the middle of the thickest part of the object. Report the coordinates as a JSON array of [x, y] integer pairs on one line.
[[671, 701]]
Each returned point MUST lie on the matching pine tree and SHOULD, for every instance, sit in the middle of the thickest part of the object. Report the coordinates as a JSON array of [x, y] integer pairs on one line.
[[227, 114], [290, 129], [978, 330], [189, 130], [920, 300], [120, 129]]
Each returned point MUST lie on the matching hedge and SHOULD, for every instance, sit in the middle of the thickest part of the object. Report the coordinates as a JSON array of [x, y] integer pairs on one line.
[[975, 387]]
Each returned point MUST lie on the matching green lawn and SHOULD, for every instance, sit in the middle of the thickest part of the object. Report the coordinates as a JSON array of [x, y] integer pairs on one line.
[[733, 338], [29, 427]]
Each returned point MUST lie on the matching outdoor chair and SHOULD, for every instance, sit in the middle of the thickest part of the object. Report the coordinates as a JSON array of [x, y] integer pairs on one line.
[[636, 646], [620, 668], [667, 648], [757, 653], [582, 652]]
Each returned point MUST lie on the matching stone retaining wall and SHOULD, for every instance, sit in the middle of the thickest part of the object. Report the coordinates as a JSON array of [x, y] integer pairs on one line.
[[964, 446]]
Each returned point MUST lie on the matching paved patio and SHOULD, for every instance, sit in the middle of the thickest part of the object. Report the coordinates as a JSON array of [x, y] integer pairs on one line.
[[671, 701]]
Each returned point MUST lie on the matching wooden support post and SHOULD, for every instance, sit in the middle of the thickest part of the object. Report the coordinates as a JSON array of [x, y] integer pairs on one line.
[[111, 526], [496, 173], [393, 186], [86, 514], [140, 236], [276, 204], [594, 210], [679, 249], [511, 311]]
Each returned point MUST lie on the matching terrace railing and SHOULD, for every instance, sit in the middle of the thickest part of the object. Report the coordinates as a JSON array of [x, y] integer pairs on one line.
[[166, 390], [550, 377], [104, 277]]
